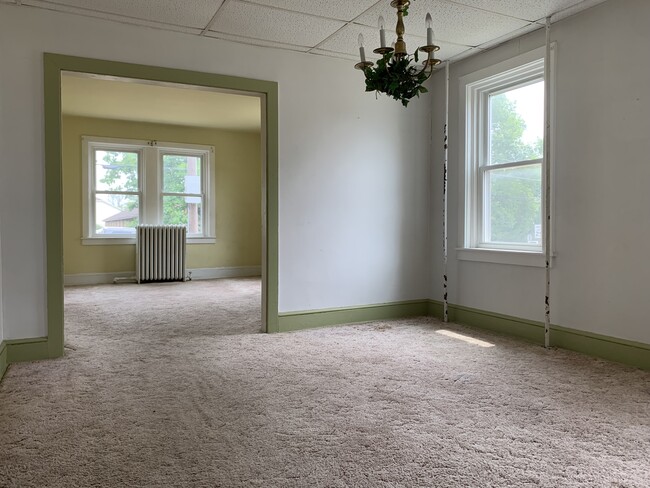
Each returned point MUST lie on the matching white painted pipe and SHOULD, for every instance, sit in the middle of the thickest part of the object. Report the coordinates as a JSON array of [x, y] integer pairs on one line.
[[445, 303], [547, 192]]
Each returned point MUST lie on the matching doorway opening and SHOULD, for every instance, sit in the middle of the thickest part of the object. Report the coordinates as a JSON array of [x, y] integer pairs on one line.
[[198, 84]]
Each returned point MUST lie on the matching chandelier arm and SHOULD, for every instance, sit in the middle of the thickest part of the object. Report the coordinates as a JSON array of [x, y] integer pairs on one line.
[[426, 66]]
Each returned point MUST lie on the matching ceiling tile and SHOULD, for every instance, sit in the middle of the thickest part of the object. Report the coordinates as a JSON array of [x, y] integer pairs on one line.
[[188, 13], [334, 9], [452, 22], [256, 42], [259, 22], [531, 10], [466, 54], [345, 42], [519, 32], [322, 52]]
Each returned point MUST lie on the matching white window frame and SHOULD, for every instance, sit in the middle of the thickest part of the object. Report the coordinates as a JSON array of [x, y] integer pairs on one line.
[[150, 185], [475, 91]]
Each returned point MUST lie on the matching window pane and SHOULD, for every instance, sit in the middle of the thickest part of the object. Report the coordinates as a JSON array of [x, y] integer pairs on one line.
[[116, 171], [517, 124], [116, 214], [183, 210], [181, 174], [514, 205]]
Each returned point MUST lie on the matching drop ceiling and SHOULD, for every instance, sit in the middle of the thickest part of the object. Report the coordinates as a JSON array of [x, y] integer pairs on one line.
[[328, 27]]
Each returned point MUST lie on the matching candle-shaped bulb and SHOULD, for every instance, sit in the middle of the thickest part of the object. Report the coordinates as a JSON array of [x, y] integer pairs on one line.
[[382, 32], [362, 51], [429, 22]]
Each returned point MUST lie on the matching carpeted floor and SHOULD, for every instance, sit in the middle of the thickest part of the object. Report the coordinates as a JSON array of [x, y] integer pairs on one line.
[[173, 386]]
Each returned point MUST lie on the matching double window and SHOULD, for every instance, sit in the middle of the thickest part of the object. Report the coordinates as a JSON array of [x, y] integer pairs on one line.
[[504, 156], [128, 182]]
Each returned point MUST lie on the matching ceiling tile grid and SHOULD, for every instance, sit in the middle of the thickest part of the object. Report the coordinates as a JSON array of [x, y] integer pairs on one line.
[[452, 22], [329, 27]]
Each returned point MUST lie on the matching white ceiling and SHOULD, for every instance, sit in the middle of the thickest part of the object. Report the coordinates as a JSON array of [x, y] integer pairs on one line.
[[136, 100], [329, 27]]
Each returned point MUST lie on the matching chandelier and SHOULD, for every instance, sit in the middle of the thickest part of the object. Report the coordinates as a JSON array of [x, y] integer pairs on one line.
[[397, 73]]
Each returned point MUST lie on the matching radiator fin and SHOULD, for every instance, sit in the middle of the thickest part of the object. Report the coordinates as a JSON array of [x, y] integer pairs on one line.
[[160, 253]]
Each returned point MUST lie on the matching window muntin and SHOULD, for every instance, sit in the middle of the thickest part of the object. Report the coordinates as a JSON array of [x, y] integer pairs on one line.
[[132, 182], [504, 196]]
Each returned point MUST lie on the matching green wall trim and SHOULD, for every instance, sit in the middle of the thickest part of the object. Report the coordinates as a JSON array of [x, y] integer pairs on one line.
[[4, 362], [309, 319], [34, 349], [505, 324], [611, 348], [53, 65]]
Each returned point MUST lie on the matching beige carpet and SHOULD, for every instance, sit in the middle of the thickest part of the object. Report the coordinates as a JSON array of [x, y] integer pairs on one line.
[[171, 385]]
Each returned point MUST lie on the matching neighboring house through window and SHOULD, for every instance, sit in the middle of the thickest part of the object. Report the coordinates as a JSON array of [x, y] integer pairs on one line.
[[128, 182], [504, 159]]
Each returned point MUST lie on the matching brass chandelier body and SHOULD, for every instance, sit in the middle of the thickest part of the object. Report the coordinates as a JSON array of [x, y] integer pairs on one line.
[[395, 75]]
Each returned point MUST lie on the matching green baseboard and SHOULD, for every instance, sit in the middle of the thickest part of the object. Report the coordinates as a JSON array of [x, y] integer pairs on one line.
[[623, 351], [612, 348], [32, 349], [18, 350], [336, 316], [4, 363]]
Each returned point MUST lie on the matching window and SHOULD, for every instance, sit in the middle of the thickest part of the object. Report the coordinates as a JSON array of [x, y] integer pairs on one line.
[[129, 182], [504, 157]]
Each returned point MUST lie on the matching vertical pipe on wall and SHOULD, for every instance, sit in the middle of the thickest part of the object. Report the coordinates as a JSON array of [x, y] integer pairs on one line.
[[445, 303], [547, 191]]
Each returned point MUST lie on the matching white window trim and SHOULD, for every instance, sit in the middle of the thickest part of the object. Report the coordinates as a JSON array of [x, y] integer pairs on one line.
[[468, 191], [149, 183]]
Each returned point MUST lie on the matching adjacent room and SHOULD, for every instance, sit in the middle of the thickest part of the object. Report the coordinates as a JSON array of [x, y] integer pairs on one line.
[[438, 245], [138, 152]]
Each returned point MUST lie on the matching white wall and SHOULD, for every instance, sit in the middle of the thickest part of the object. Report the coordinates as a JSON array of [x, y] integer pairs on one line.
[[602, 172], [353, 170]]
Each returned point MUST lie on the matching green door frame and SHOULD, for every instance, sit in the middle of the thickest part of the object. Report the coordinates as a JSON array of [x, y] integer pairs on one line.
[[53, 65]]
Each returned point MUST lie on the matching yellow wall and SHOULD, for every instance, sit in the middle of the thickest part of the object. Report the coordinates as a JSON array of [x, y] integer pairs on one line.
[[238, 175]]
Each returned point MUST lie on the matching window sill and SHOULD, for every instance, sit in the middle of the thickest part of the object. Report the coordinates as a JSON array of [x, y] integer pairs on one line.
[[201, 240], [517, 258], [116, 241]]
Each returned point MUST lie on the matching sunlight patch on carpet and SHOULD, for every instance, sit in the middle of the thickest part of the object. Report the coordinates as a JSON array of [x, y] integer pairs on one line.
[[464, 338]]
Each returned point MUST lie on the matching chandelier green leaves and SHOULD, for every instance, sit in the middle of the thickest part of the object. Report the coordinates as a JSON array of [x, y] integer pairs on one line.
[[396, 77]]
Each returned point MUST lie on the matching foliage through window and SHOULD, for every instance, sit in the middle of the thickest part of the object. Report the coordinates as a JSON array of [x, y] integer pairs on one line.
[[504, 197], [132, 182]]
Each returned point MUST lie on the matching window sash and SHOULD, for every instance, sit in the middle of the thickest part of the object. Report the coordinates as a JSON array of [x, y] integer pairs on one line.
[[484, 210]]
